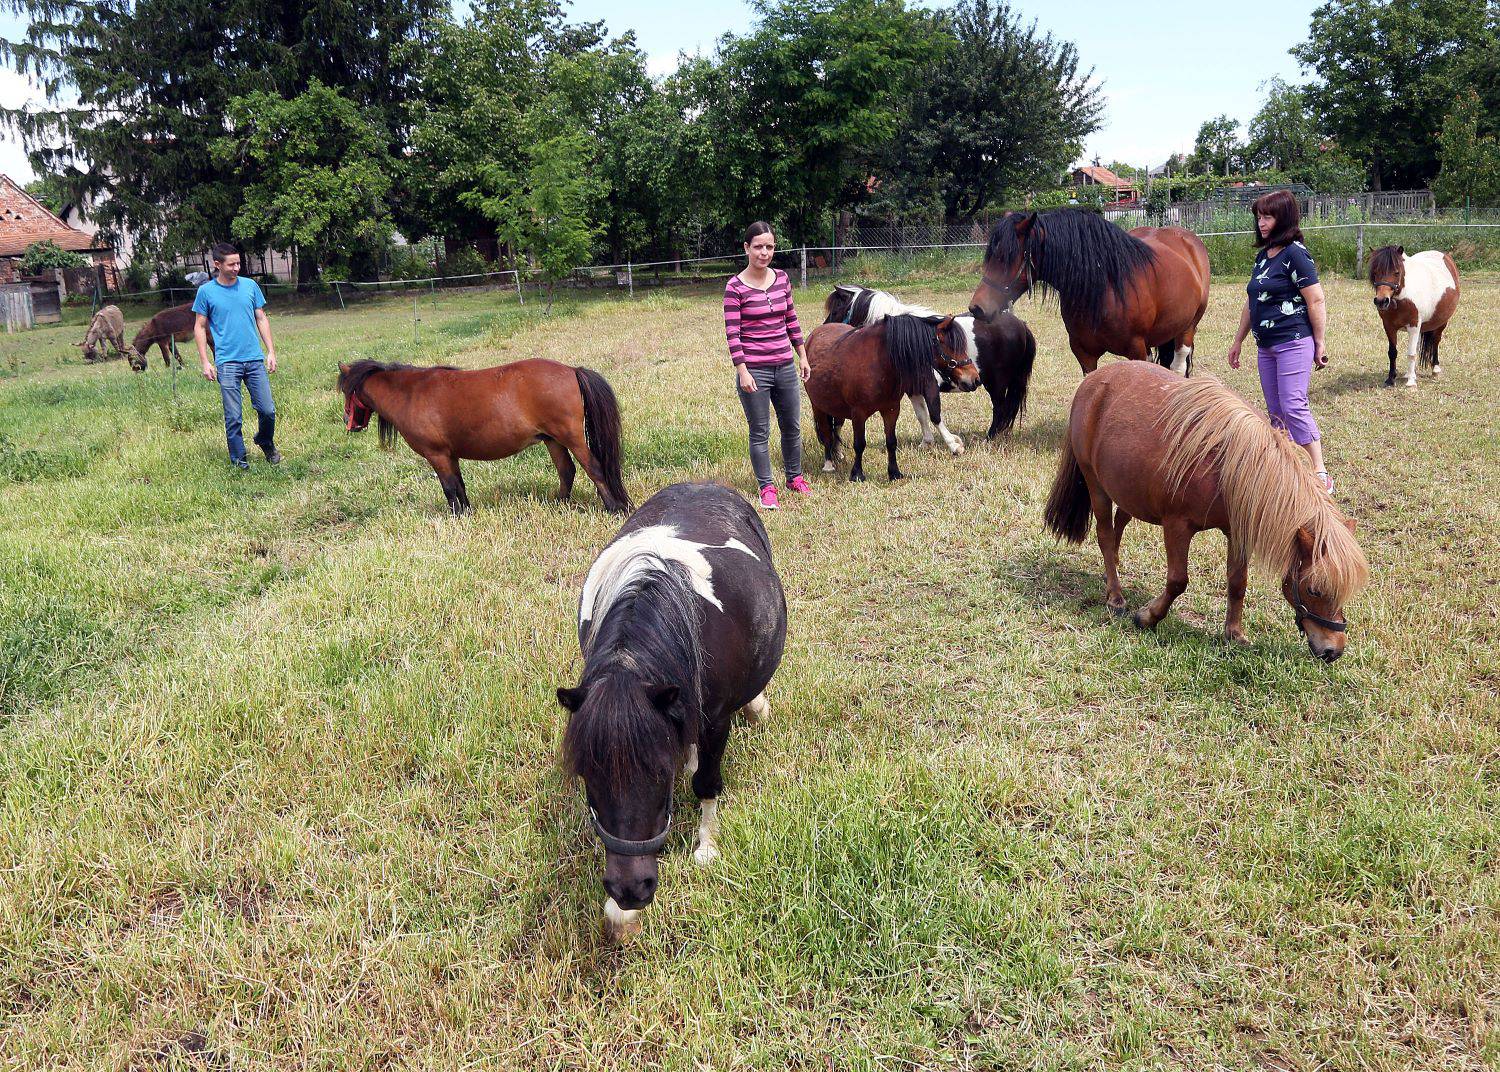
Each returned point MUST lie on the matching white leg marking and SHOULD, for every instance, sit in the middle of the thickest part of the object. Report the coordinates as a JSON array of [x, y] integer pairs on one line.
[[622, 923], [691, 766], [1180, 360], [1413, 348], [708, 829], [828, 466], [756, 709], [919, 410], [955, 445]]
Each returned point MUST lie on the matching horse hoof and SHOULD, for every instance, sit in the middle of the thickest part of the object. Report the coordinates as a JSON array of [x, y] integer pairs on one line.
[[704, 855], [1436, 372], [1411, 383], [1390, 381], [1237, 639], [828, 467], [893, 477], [856, 478], [1139, 621], [1119, 610], [956, 447]]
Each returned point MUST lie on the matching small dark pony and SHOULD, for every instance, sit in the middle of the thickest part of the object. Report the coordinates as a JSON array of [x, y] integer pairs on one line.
[[1004, 349], [860, 371], [1121, 293], [681, 623], [446, 414], [169, 324]]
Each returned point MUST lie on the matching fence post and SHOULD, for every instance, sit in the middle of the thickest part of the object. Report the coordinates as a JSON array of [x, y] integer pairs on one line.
[[1359, 249], [804, 267], [339, 290], [520, 290], [630, 278]]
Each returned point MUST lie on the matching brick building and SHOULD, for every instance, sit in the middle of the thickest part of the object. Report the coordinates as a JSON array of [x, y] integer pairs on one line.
[[24, 220]]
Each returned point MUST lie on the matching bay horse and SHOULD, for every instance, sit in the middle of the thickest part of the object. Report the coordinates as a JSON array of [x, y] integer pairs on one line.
[[860, 371], [1004, 351], [446, 414], [108, 326], [1191, 455], [1418, 293], [174, 323], [1121, 292], [681, 623]]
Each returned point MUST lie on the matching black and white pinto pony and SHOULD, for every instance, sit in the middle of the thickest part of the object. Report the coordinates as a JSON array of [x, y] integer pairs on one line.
[[1003, 349], [682, 622]]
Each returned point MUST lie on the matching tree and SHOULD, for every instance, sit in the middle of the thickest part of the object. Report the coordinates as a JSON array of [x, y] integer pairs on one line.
[[1388, 72], [1000, 108], [320, 177], [1217, 147], [1284, 133], [46, 255], [51, 191], [1470, 162]]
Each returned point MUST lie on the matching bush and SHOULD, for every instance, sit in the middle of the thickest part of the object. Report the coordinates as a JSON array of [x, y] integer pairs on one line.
[[44, 256], [409, 262], [467, 261]]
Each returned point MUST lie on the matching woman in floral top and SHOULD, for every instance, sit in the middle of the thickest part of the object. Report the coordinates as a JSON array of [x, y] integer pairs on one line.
[[1286, 311]]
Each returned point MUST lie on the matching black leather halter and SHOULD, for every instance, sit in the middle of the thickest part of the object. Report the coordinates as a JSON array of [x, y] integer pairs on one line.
[[620, 846], [1303, 612]]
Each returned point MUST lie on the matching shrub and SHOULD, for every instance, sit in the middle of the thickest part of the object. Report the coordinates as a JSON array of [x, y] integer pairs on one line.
[[45, 255]]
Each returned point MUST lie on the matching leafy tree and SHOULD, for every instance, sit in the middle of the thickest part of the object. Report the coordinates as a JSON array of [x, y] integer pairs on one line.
[[51, 191], [1000, 108], [1217, 147], [320, 177], [1470, 162], [1389, 71], [45, 255], [1284, 136]]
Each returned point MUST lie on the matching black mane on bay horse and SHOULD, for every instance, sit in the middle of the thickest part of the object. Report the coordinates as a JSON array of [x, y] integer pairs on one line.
[[446, 414], [681, 623]]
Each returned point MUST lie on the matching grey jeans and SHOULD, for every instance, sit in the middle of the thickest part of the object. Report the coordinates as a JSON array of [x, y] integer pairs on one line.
[[779, 386]]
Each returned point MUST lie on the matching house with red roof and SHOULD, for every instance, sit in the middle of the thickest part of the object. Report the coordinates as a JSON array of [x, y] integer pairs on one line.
[[24, 220], [1116, 190]]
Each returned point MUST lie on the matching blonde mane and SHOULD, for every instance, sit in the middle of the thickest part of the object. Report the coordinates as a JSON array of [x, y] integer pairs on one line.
[[1268, 488]]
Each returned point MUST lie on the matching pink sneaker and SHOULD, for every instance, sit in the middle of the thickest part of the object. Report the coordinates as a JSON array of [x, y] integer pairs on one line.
[[768, 499], [800, 485]]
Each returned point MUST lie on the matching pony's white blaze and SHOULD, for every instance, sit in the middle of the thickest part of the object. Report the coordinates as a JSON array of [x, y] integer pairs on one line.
[[623, 922], [642, 551], [966, 325], [708, 829]]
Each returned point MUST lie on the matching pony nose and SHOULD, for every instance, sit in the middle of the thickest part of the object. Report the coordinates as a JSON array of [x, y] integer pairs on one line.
[[979, 314], [632, 893]]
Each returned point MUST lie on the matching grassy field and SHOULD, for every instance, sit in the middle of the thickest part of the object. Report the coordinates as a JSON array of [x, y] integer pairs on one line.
[[277, 752]]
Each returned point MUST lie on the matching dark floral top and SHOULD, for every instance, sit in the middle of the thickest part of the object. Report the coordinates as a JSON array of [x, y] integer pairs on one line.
[[1278, 312]]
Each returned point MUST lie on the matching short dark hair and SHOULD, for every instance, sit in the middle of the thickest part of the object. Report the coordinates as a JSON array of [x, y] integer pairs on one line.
[[221, 250], [1283, 206], [755, 230]]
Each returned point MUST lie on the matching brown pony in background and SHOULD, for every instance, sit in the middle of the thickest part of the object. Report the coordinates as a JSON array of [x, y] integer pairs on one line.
[[1191, 455], [860, 371], [446, 413], [174, 323], [1121, 293]]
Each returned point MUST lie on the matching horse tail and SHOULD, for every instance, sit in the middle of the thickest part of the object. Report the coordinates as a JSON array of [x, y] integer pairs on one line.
[[387, 433], [1429, 348], [1009, 380], [601, 431], [1068, 506]]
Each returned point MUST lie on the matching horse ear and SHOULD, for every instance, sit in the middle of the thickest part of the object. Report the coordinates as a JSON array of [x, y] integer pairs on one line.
[[1400, 251], [663, 697], [343, 366], [944, 324], [1305, 541], [1025, 223], [572, 699]]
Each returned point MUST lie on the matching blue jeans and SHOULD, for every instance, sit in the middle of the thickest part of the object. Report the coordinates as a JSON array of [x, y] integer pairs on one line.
[[252, 374]]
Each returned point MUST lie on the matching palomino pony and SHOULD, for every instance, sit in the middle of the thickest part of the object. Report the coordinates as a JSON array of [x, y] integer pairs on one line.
[[446, 413], [682, 622], [1004, 351], [1121, 293], [174, 323], [1418, 293], [860, 371], [1189, 456]]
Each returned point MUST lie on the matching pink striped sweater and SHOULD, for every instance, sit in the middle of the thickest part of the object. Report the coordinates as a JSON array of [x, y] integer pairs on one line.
[[761, 324]]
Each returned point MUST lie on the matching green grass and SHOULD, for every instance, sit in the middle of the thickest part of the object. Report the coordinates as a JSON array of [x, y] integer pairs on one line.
[[278, 782]]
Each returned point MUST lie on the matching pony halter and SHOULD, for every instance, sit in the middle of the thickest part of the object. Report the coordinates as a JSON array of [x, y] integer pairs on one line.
[[621, 847], [1304, 614]]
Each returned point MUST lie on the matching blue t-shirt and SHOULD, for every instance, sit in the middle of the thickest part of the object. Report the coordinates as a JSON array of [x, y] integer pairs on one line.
[[231, 318], [1278, 312]]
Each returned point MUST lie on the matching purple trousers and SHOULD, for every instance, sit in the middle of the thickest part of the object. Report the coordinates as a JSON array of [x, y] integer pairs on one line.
[[1284, 371]]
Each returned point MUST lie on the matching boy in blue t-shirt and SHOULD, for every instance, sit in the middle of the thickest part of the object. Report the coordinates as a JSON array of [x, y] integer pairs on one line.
[[234, 310]]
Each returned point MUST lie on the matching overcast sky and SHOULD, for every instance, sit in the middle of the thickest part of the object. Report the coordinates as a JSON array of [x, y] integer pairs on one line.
[[1165, 67]]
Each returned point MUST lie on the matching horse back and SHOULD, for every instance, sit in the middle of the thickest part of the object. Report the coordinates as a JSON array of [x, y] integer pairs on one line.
[[491, 413], [1432, 286]]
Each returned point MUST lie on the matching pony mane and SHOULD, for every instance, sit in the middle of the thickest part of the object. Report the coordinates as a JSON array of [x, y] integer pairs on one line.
[[648, 636], [1076, 253], [352, 382], [1385, 262], [910, 346], [1268, 489], [862, 306]]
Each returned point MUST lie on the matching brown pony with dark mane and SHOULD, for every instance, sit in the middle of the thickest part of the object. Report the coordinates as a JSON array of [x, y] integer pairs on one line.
[[446, 413], [167, 325], [1193, 455], [860, 371], [1121, 293]]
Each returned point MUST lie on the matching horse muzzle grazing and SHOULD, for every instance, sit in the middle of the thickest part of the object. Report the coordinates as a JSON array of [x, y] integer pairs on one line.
[[356, 414], [1325, 634]]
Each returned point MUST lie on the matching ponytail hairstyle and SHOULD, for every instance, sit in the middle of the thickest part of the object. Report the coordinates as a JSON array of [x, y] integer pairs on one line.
[[755, 230]]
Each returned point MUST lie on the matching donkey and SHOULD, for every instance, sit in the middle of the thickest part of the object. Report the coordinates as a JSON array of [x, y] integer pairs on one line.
[[1418, 293], [108, 326], [682, 622], [174, 323]]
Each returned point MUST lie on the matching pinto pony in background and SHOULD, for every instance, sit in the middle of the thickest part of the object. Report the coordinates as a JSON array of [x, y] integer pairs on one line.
[[1191, 455], [446, 414], [1417, 293]]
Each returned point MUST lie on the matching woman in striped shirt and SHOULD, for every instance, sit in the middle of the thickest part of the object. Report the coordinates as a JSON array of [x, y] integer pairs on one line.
[[763, 332]]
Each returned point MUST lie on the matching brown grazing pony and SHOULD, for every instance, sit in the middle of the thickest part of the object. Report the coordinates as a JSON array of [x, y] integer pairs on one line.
[[1416, 293], [174, 323], [446, 413], [1193, 455], [860, 371], [1121, 293]]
